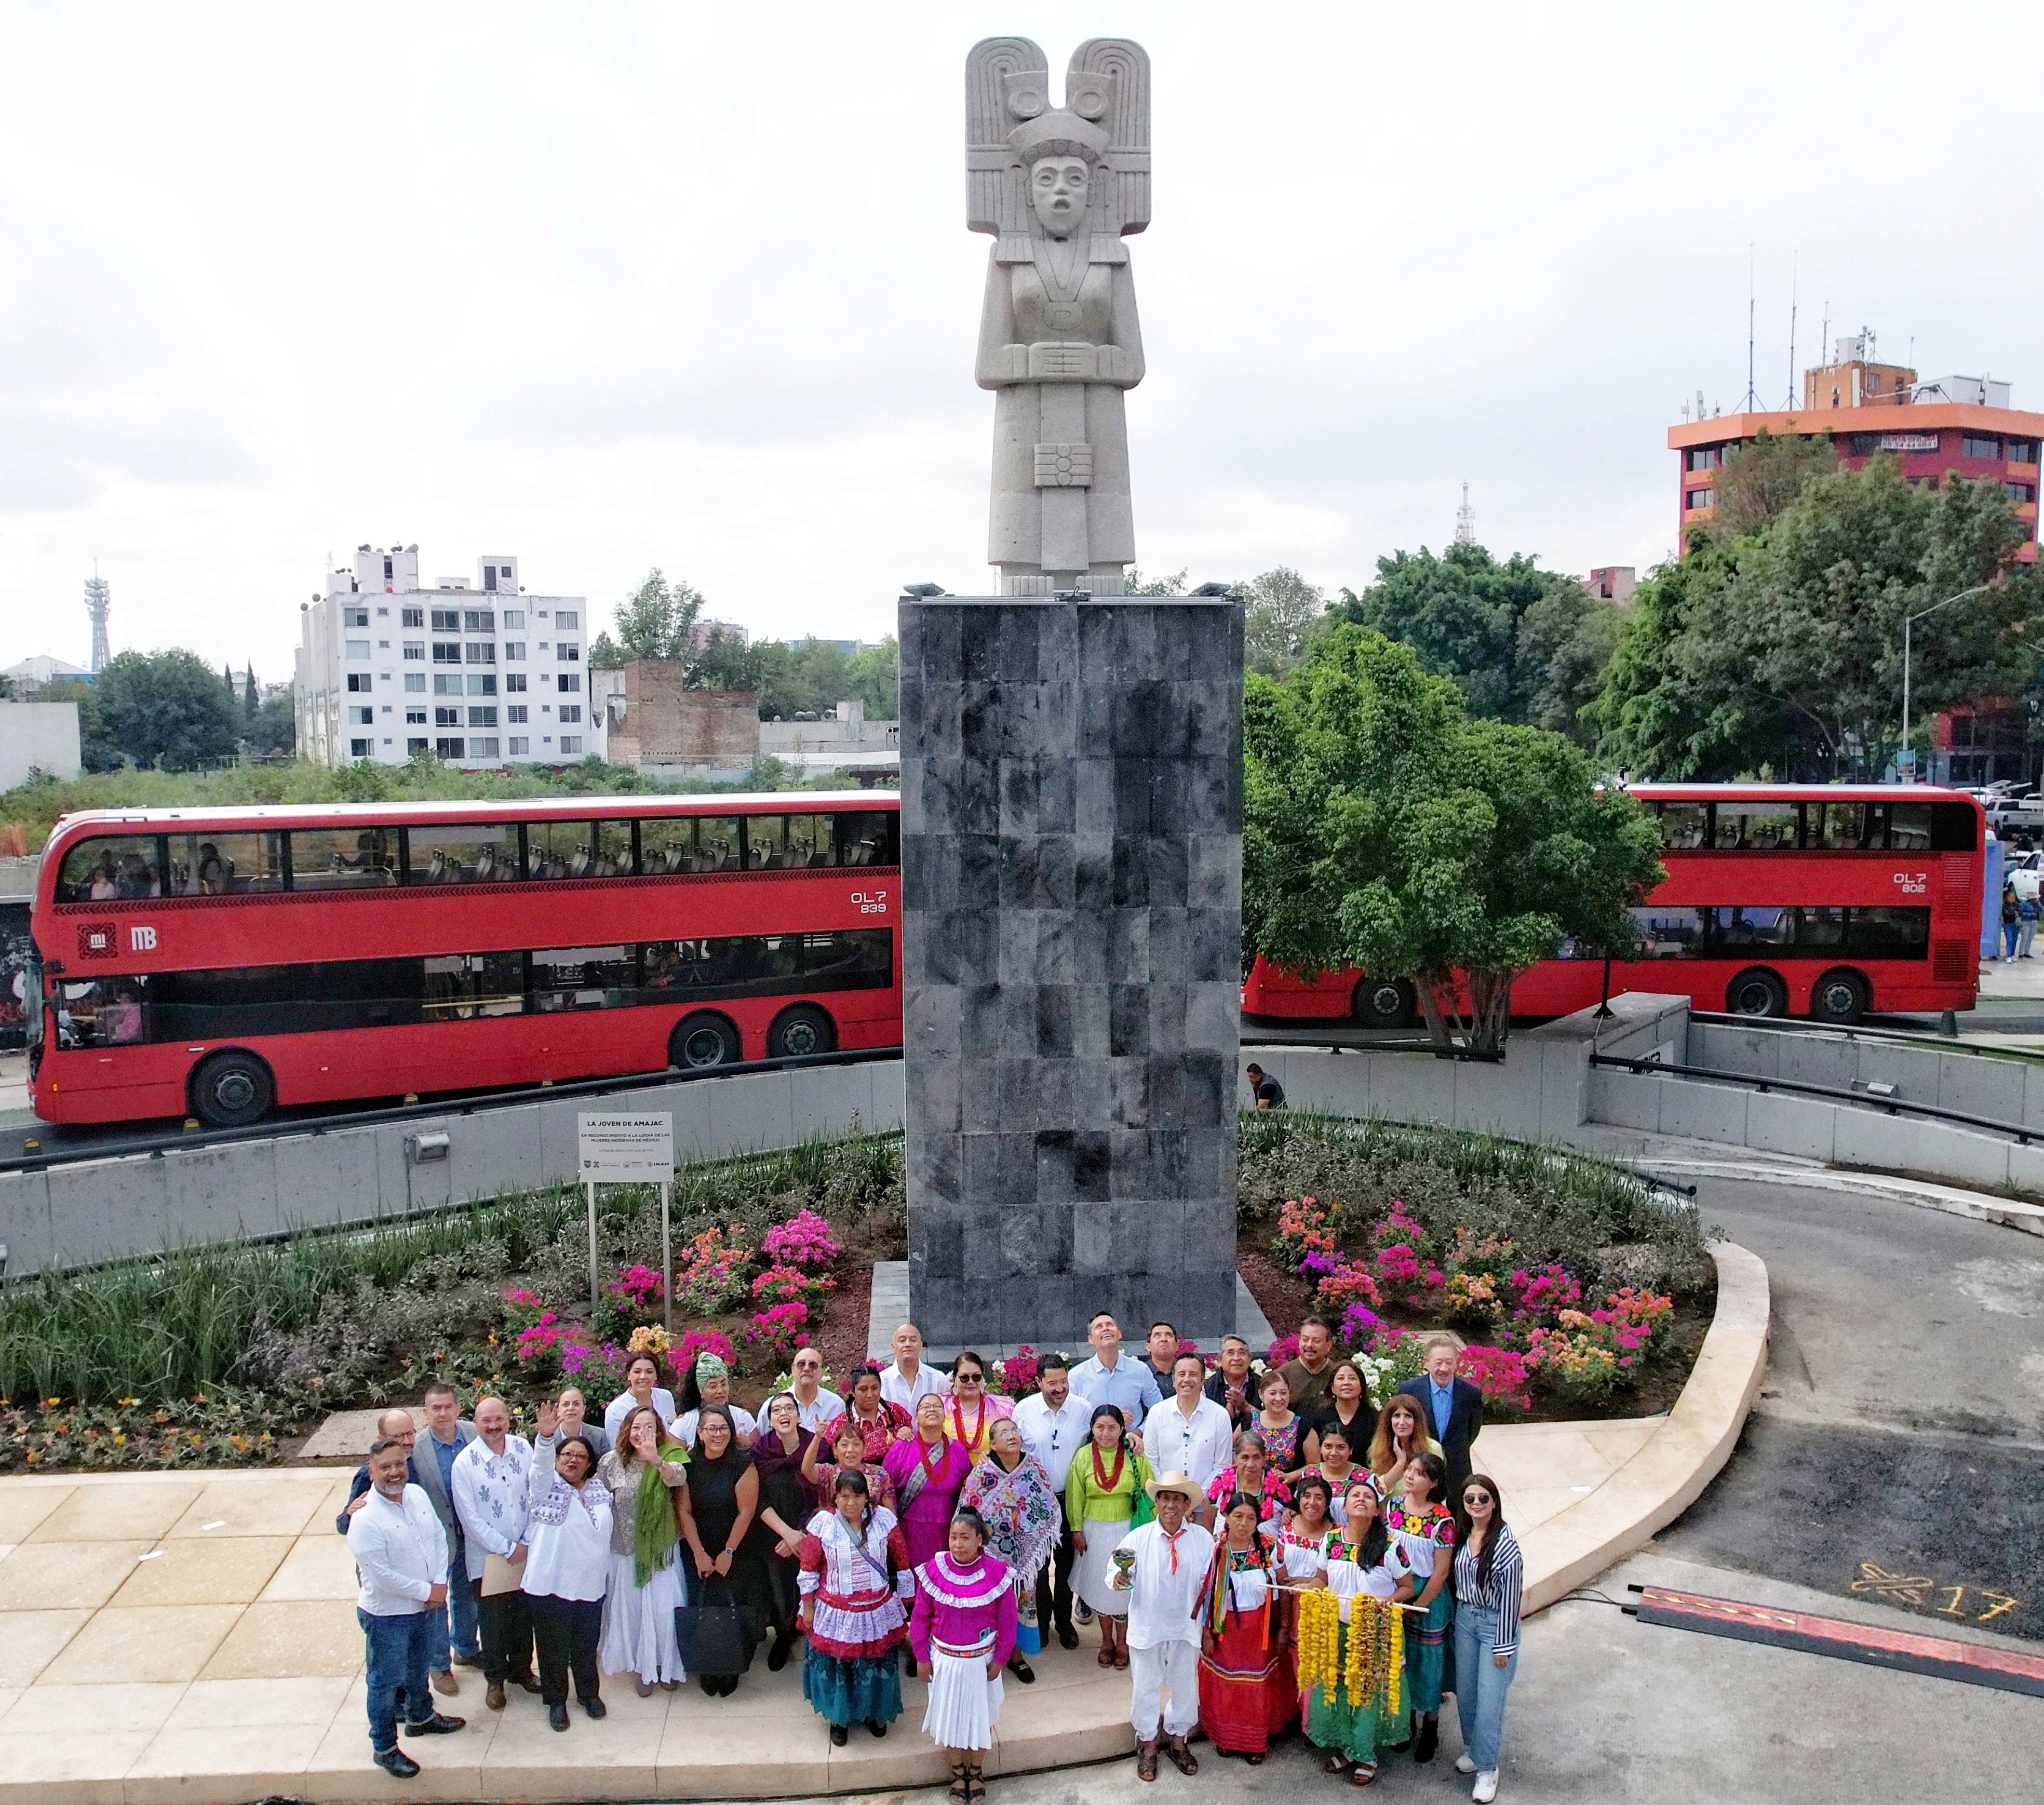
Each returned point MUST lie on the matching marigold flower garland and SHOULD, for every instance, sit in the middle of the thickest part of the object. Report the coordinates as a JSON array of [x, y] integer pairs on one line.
[[1375, 1656]]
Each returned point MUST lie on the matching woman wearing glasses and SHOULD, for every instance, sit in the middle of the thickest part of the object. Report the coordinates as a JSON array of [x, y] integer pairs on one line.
[[1490, 1584], [973, 1411]]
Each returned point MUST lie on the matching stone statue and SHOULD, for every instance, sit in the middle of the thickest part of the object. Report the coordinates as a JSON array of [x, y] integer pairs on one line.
[[1059, 188]]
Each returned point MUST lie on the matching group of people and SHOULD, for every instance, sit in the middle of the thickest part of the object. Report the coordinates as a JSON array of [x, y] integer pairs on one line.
[[923, 1518]]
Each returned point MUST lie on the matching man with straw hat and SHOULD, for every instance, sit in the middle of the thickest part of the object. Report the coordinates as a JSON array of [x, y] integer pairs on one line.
[[1162, 1566]]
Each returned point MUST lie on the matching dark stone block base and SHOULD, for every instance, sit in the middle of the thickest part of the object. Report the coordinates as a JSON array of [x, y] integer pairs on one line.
[[1071, 829]]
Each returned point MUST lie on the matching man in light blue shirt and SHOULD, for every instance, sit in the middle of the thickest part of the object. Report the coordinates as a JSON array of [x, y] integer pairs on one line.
[[1129, 1385]]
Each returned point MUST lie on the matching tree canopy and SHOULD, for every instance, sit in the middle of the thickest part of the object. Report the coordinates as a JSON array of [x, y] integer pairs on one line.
[[1279, 610], [1384, 828], [167, 708]]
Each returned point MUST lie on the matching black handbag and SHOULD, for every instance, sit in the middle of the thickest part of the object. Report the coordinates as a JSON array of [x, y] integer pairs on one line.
[[717, 1640]]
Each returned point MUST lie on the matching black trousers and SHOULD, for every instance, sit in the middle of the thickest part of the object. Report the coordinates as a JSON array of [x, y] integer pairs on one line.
[[567, 1631], [1054, 1584], [506, 1622]]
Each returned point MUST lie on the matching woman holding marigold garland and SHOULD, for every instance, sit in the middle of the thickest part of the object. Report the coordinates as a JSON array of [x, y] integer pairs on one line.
[[1247, 1692], [1421, 1525], [1350, 1674]]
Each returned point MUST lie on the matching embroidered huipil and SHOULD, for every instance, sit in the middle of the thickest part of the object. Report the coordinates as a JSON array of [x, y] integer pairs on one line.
[[567, 1531], [858, 1612], [1304, 1554], [965, 1612], [489, 1497], [1420, 1534]]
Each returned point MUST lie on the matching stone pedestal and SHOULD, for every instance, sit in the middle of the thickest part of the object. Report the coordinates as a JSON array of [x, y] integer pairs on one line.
[[1071, 853]]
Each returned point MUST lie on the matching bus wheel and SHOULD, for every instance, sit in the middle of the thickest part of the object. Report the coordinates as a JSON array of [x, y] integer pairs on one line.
[[1384, 1002], [1757, 993], [800, 1032], [232, 1090], [703, 1041], [1839, 997]]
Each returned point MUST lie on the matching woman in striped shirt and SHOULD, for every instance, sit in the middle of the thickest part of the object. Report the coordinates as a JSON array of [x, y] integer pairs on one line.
[[1489, 1580]]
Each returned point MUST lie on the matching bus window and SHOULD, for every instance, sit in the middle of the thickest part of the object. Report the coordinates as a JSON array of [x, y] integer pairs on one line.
[[1818, 924], [1668, 932], [122, 870], [1842, 827], [578, 849], [225, 865], [1891, 933], [463, 986], [811, 841], [857, 959], [692, 843], [103, 1012], [582, 978], [344, 858], [1744, 925], [462, 855], [1756, 826], [871, 837], [1685, 826], [612, 843], [767, 842], [1909, 827], [1953, 827], [674, 968], [777, 956]]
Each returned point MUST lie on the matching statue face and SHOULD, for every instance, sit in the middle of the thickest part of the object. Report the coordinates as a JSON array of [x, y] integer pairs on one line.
[[1058, 188]]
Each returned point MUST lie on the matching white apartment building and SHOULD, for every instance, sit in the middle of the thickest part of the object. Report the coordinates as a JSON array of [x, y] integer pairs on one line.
[[480, 674]]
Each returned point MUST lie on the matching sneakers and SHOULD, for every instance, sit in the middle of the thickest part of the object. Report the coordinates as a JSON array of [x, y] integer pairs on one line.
[[1485, 1788], [1082, 1610], [1464, 1766], [395, 1762]]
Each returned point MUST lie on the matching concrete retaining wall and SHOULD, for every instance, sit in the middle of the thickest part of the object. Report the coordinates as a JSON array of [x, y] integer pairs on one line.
[[106, 1209]]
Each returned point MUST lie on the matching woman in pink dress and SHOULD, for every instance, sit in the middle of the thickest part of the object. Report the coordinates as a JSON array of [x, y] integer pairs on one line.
[[961, 1633], [929, 1470]]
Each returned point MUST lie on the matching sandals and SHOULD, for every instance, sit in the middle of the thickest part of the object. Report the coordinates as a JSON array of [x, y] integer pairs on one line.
[[1335, 1765], [1121, 1659], [960, 1792], [1363, 1775], [1181, 1758], [1107, 1654], [975, 1785], [1146, 1761]]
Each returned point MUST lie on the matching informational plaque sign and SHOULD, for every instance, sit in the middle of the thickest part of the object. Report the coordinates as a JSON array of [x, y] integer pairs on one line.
[[631, 1150]]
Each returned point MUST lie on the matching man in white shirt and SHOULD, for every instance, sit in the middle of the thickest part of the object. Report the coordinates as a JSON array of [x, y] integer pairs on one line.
[[1165, 1572], [1129, 1385], [400, 1548], [907, 1379], [1055, 1423], [814, 1405], [491, 1477], [1188, 1432]]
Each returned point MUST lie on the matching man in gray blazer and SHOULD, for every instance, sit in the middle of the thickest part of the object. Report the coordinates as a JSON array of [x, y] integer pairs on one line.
[[446, 1434]]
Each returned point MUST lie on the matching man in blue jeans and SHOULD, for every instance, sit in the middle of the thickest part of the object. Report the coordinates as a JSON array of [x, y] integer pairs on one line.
[[446, 1434], [401, 1567]]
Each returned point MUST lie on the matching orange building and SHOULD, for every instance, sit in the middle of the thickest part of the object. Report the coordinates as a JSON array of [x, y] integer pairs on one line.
[[1958, 425]]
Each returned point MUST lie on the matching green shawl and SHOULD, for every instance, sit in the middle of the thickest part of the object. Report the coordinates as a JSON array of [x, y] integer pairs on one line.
[[656, 1536]]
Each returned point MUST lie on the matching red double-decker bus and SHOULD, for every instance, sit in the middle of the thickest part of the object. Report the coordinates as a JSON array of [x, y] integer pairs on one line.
[[1820, 900], [220, 963]]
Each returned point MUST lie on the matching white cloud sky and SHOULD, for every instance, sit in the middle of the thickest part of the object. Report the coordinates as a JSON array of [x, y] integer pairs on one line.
[[608, 286]]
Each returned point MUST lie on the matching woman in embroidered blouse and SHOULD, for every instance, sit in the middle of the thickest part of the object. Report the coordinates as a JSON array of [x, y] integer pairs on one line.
[[822, 1462], [879, 1423], [1283, 1429], [929, 1470], [645, 1553], [1251, 1474], [974, 1411], [1365, 1562], [1400, 1434], [1419, 1522], [1489, 1588], [1248, 1690], [1100, 1494], [961, 1633], [854, 1615], [567, 1564], [785, 1499], [724, 1505], [1016, 1499], [1334, 1466]]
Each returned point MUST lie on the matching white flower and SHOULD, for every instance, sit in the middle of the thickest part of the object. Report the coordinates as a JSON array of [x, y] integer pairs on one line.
[[1257, 1365]]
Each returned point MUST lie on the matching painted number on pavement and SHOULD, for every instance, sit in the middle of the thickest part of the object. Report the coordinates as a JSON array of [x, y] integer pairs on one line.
[[1923, 1592]]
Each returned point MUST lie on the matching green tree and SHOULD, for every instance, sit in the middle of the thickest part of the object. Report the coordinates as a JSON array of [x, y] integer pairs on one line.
[[1760, 480], [1566, 638], [656, 620], [1137, 584], [165, 707], [96, 752], [1384, 828], [1279, 610], [251, 701], [272, 731]]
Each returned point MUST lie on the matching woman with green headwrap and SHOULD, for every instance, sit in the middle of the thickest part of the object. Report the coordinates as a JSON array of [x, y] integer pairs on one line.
[[647, 1487], [709, 1381]]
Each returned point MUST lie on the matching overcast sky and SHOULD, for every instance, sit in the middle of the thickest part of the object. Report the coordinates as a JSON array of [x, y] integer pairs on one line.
[[609, 286]]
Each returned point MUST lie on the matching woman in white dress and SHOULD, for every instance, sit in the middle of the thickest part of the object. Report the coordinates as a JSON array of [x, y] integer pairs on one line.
[[642, 1387], [645, 1586]]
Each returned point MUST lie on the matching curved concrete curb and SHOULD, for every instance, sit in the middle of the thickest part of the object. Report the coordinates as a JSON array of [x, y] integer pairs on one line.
[[1668, 1472]]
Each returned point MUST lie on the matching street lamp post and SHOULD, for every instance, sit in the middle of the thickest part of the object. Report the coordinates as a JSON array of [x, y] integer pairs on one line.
[[1908, 623]]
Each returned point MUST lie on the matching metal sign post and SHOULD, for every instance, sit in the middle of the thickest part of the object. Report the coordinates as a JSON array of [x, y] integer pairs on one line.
[[629, 1149]]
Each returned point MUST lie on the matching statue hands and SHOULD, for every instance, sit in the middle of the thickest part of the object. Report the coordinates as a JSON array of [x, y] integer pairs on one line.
[[1061, 361], [1055, 360]]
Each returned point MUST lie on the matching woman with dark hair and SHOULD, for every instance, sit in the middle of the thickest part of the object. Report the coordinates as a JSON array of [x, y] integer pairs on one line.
[[723, 1508], [1248, 1693], [1366, 1563], [854, 1614], [642, 1388], [1102, 1490], [1489, 1586], [567, 1564], [1335, 1464], [1251, 1474], [709, 1382], [1400, 1436], [880, 1423], [645, 1552], [822, 1462], [1016, 1500], [786, 1501], [1424, 1528], [1305, 1545], [1348, 1405], [963, 1633], [973, 1410], [929, 1470], [1283, 1429]]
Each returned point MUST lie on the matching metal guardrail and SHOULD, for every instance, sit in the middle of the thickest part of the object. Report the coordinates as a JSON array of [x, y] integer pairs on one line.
[[155, 1147], [1894, 1036], [1891, 1105]]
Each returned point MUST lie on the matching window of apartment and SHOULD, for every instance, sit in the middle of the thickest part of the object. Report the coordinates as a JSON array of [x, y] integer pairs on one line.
[[483, 717], [519, 747], [413, 616], [354, 617], [357, 648], [358, 682], [478, 621], [415, 649], [1972, 446], [446, 620], [383, 613], [570, 682], [445, 684], [485, 685], [569, 713], [2019, 491], [449, 749], [567, 617], [515, 715], [514, 651], [2022, 451], [514, 682], [566, 650], [481, 652], [482, 748], [386, 707], [358, 748], [570, 742], [542, 645], [415, 717], [412, 746], [415, 682], [514, 619], [447, 717], [1703, 498], [1706, 457], [446, 652], [361, 717], [383, 645]]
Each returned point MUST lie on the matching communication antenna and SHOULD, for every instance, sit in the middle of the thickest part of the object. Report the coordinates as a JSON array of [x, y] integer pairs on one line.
[[1746, 406], [1794, 260], [98, 598], [1465, 520], [1824, 345]]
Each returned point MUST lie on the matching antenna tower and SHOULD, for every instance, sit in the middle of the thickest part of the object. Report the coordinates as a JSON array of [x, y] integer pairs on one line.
[[1465, 520], [1751, 400], [1793, 261], [98, 598]]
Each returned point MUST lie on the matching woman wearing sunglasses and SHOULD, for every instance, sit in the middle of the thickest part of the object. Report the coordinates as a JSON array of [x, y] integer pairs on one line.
[[1490, 1583]]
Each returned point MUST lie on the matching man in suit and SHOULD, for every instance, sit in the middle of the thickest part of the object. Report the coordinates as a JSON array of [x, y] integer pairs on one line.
[[446, 1433], [1453, 1408]]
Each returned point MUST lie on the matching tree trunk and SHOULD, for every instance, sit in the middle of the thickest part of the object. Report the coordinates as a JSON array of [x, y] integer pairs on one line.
[[1490, 1006], [1483, 1030]]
